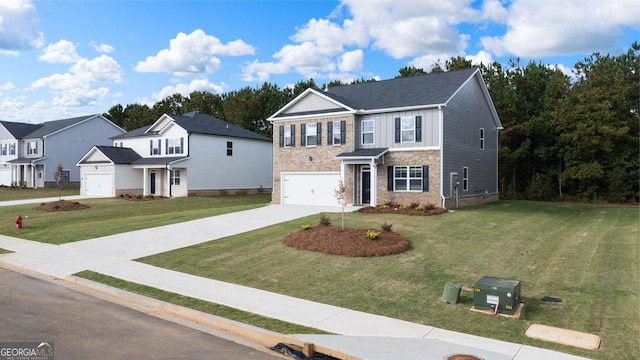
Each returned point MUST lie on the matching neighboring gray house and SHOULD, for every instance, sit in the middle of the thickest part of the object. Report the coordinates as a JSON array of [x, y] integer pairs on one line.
[[30, 153], [179, 155], [430, 139]]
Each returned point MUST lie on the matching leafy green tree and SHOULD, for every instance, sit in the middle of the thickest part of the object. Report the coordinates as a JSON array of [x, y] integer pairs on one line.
[[116, 115], [458, 63], [408, 71]]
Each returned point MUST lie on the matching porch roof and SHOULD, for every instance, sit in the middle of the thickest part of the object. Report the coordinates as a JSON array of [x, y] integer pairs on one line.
[[25, 161], [158, 160], [363, 154]]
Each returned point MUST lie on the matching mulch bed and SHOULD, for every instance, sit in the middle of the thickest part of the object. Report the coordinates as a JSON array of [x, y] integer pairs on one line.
[[61, 205], [348, 242], [401, 211]]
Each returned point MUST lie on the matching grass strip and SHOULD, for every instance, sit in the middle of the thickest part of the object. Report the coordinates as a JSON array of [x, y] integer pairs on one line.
[[200, 305]]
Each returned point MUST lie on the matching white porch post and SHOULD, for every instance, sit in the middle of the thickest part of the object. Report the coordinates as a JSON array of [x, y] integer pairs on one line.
[[342, 170], [145, 181], [168, 183], [24, 175], [373, 201]]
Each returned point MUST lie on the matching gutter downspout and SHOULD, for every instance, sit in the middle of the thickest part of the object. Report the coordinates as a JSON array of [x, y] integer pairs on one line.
[[441, 125], [169, 170]]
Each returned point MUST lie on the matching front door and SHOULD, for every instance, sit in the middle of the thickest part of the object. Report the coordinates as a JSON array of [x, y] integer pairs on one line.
[[365, 185], [152, 184]]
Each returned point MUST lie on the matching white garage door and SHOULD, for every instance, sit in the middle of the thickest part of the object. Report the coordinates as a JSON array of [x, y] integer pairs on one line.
[[5, 177], [310, 188], [98, 185]]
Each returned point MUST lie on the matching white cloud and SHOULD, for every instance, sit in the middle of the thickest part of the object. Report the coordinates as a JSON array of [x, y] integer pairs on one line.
[[193, 54], [351, 60], [482, 57], [187, 89], [61, 52], [18, 25], [8, 86], [102, 48], [539, 28]]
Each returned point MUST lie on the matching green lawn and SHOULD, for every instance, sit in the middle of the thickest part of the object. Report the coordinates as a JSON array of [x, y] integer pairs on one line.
[[9, 193], [586, 255], [117, 215]]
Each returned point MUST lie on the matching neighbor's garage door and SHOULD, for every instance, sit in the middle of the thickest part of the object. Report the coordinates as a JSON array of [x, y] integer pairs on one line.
[[98, 185], [310, 188], [5, 177]]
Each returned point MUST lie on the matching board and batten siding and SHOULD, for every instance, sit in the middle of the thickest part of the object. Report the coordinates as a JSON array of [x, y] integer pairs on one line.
[[250, 166], [384, 129], [311, 102], [463, 117]]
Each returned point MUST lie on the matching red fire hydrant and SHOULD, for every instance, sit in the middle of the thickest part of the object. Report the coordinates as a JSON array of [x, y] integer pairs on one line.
[[19, 222]]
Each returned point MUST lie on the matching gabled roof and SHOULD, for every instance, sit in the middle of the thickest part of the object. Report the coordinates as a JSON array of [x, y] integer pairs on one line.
[[424, 91], [119, 155], [199, 123], [19, 130], [50, 127]]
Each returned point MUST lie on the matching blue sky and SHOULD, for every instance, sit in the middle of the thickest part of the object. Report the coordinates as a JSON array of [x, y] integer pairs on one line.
[[61, 59]]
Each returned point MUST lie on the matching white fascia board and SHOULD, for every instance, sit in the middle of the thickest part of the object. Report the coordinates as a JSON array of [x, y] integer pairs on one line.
[[302, 95], [311, 116], [399, 109]]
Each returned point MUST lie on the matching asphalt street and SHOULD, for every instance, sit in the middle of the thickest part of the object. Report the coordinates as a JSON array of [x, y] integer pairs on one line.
[[84, 327]]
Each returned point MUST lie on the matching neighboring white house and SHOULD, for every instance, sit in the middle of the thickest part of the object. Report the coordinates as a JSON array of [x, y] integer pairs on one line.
[[180, 155], [30, 153]]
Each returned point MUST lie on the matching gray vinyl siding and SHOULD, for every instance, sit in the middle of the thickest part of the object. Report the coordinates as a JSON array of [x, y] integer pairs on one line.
[[311, 102], [71, 144], [250, 166], [384, 129], [463, 117]]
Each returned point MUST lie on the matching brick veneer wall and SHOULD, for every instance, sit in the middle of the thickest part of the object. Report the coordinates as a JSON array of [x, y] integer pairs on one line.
[[409, 158]]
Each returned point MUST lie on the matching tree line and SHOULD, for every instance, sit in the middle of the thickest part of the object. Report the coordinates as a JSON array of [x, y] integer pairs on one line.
[[564, 137]]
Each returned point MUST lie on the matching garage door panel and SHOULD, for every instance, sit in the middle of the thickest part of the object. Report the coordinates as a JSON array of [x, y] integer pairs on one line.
[[5, 177], [310, 188], [98, 185]]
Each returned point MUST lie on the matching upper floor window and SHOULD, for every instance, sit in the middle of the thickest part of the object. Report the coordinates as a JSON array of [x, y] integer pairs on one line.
[[335, 132], [229, 148], [481, 139], [287, 135], [32, 148], [408, 129], [12, 149], [367, 132], [156, 147], [174, 146], [3, 149], [310, 134]]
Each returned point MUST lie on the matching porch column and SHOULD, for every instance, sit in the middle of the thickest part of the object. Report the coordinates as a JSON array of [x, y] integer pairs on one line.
[[24, 175], [145, 181], [168, 183], [373, 201], [342, 170]]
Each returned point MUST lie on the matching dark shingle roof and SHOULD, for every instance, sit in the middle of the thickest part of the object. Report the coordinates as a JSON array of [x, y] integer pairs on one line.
[[50, 127], [119, 155], [158, 160], [375, 152], [424, 90], [199, 123], [19, 130]]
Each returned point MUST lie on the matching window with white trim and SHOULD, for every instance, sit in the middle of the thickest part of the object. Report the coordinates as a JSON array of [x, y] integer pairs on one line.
[[288, 136], [229, 148], [155, 147], [481, 139], [32, 148], [174, 146], [12, 149], [336, 133], [465, 178], [408, 129], [367, 132], [311, 134], [175, 177], [3, 150], [407, 178]]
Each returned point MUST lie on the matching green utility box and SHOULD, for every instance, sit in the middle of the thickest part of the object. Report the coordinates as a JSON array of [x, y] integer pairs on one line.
[[451, 293], [490, 292]]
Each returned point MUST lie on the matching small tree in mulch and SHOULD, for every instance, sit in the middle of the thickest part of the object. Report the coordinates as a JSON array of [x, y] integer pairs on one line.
[[341, 195], [58, 175]]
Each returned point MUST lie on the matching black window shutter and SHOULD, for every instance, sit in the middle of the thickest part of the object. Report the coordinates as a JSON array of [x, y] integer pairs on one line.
[[303, 130], [425, 178], [281, 136], [159, 146], [389, 178], [150, 147], [293, 135], [181, 145], [418, 128], [319, 132], [166, 146], [330, 133], [343, 131], [397, 128]]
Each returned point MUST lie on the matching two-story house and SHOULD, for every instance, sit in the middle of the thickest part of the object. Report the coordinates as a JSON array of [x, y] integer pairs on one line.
[[30, 153], [179, 155], [429, 140]]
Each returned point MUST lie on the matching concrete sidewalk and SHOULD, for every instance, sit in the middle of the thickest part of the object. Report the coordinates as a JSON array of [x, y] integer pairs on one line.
[[361, 335]]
